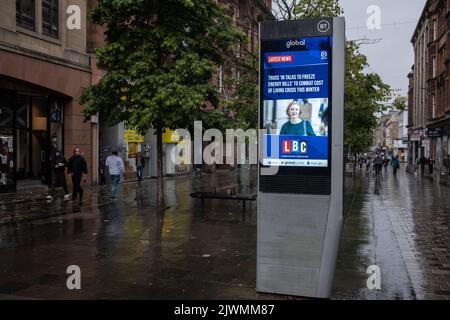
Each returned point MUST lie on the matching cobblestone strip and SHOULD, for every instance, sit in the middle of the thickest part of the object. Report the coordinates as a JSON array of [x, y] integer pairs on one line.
[[402, 228]]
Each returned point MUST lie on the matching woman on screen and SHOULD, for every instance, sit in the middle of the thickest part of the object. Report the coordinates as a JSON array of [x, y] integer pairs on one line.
[[296, 126]]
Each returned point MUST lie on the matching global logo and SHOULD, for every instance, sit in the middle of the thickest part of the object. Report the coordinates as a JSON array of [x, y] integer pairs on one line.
[[323, 26], [295, 43]]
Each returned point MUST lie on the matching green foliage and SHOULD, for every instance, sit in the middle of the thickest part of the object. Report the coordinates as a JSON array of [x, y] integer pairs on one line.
[[317, 9], [159, 58], [400, 103], [365, 93], [245, 104]]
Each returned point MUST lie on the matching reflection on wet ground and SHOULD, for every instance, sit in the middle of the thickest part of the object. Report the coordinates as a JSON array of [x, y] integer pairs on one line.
[[126, 249], [400, 223]]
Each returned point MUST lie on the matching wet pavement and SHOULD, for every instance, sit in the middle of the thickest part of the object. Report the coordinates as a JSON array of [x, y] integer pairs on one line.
[[401, 224], [127, 249]]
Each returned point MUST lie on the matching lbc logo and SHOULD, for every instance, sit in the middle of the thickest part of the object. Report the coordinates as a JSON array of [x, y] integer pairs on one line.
[[294, 147]]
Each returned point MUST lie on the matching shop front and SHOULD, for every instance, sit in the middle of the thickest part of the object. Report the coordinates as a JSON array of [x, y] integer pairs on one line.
[[170, 141], [400, 149], [31, 130], [439, 151]]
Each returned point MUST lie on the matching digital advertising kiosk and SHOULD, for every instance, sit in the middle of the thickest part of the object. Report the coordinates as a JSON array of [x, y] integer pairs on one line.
[[300, 181]]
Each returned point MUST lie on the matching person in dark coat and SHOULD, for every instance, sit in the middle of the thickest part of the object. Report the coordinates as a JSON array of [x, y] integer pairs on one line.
[[77, 169], [431, 164], [395, 164], [422, 161], [102, 167], [140, 165], [59, 165]]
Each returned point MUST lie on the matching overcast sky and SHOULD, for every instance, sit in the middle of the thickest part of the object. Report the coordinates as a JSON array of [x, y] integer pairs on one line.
[[392, 57]]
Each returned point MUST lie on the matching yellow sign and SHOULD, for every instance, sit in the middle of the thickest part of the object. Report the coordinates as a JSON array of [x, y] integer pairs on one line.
[[132, 136], [132, 149], [170, 136]]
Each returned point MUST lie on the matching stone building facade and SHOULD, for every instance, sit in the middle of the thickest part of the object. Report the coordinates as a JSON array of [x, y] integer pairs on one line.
[[429, 98], [44, 66]]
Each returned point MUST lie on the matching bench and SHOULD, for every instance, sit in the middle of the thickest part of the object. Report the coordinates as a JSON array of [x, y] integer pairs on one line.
[[225, 196]]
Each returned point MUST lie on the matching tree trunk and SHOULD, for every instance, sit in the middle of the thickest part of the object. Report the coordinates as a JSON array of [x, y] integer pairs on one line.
[[159, 167]]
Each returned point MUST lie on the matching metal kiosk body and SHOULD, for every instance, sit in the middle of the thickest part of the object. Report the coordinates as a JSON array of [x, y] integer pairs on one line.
[[301, 170]]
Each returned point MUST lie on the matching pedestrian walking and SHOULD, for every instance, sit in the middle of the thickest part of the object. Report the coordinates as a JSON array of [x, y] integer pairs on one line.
[[116, 168], [385, 164], [395, 165], [422, 161], [140, 165], [102, 166], [77, 169], [367, 161], [378, 164], [59, 165], [431, 165]]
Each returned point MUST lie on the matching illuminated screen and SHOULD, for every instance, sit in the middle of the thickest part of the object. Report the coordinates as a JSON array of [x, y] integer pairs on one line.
[[295, 101]]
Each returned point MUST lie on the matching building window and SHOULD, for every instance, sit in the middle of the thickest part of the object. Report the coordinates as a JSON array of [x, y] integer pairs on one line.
[[50, 18], [434, 67], [433, 106], [25, 14], [434, 30]]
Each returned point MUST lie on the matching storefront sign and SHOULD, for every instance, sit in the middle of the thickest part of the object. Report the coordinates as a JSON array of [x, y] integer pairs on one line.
[[434, 132], [132, 136], [446, 131], [398, 144], [170, 136], [416, 135], [133, 149]]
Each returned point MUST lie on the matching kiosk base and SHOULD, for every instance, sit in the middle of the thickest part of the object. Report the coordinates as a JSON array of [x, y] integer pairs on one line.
[[291, 244]]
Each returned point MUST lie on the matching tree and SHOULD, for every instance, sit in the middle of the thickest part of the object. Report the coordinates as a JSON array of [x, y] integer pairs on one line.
[[159, 57], [244, 104], [400, 103], [284, 9], [306, 9], [365, 93]]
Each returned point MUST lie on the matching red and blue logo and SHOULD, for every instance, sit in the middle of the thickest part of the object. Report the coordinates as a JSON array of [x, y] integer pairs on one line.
[[294, 146]]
